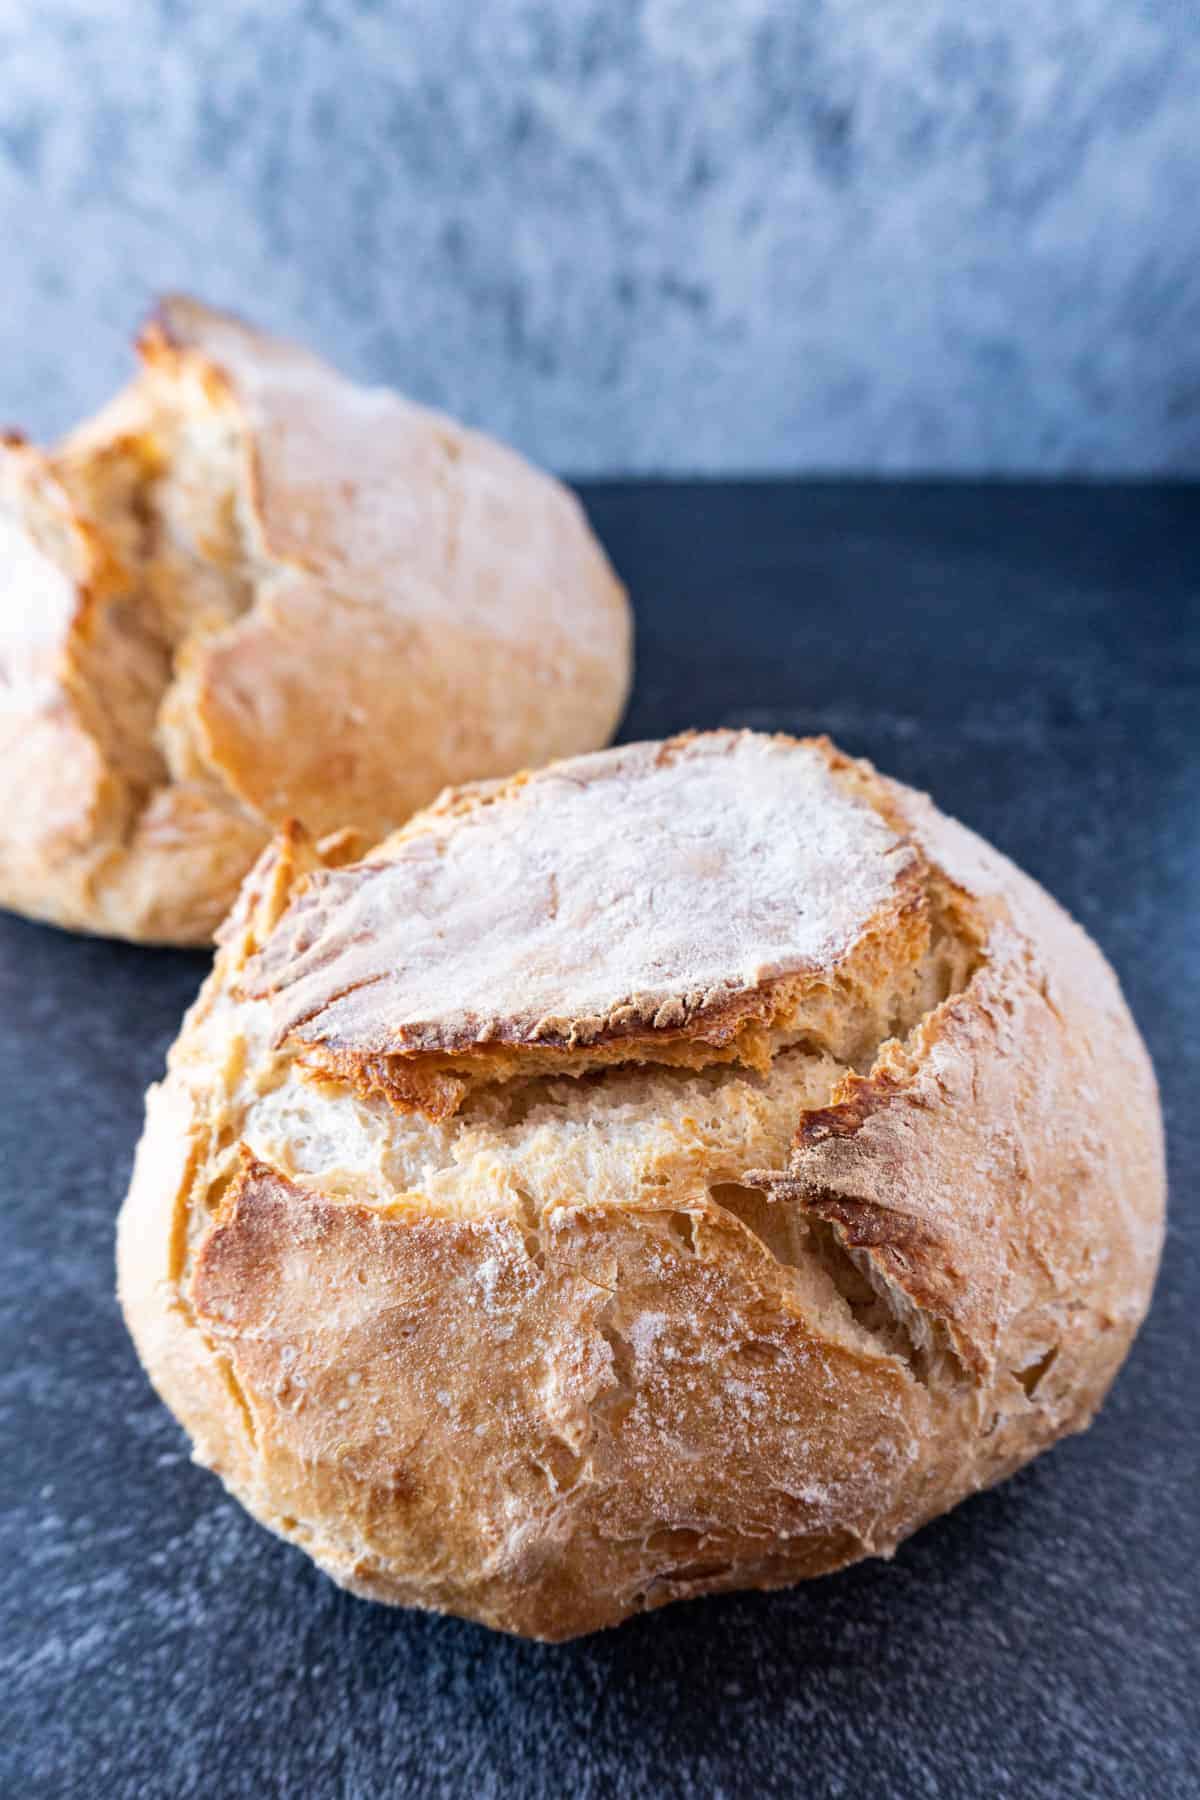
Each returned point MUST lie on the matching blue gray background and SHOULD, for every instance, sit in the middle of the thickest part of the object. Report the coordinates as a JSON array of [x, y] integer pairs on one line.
[[637, 235]]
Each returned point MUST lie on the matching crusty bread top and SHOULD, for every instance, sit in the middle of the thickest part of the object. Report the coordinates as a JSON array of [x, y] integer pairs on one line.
[[680, 896], [361, 482]]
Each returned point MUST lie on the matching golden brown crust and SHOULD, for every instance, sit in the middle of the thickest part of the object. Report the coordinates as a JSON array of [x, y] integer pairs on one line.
[[371, 1399], [595, 1341], [250, 590]]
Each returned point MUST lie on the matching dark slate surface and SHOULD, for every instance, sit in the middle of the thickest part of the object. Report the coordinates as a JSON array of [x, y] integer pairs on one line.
[[1033, 656]]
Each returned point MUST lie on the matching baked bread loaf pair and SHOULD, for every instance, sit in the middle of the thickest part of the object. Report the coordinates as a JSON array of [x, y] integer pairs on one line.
[[688, 1167], [249, 590]]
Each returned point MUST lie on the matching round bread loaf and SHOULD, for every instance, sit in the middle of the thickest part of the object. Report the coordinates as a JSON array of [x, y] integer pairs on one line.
[[689, 1167], [250, 590]]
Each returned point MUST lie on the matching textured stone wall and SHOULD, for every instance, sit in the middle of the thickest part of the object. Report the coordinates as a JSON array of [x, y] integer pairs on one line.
[[636, 235]]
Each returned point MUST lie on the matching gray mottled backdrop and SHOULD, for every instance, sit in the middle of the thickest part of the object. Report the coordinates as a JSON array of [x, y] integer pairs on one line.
[[636, 234]]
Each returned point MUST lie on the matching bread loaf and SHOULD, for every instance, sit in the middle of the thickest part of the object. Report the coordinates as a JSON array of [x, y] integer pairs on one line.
[[250, 590], [689, 1167]]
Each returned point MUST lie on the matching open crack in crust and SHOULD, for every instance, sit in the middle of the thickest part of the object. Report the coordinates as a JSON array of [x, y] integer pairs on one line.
[[605, 1335], [114, 819], [249, 589]]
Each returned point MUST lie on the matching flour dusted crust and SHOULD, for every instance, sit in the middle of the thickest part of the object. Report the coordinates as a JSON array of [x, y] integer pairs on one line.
[[560, 1211], [526, 924], [250, 590]]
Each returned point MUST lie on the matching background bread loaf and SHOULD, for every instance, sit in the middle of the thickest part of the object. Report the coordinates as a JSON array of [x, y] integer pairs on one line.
[[249, 590]]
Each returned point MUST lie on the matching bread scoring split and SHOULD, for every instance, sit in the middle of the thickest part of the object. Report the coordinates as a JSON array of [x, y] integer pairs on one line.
[[688, 1167]]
